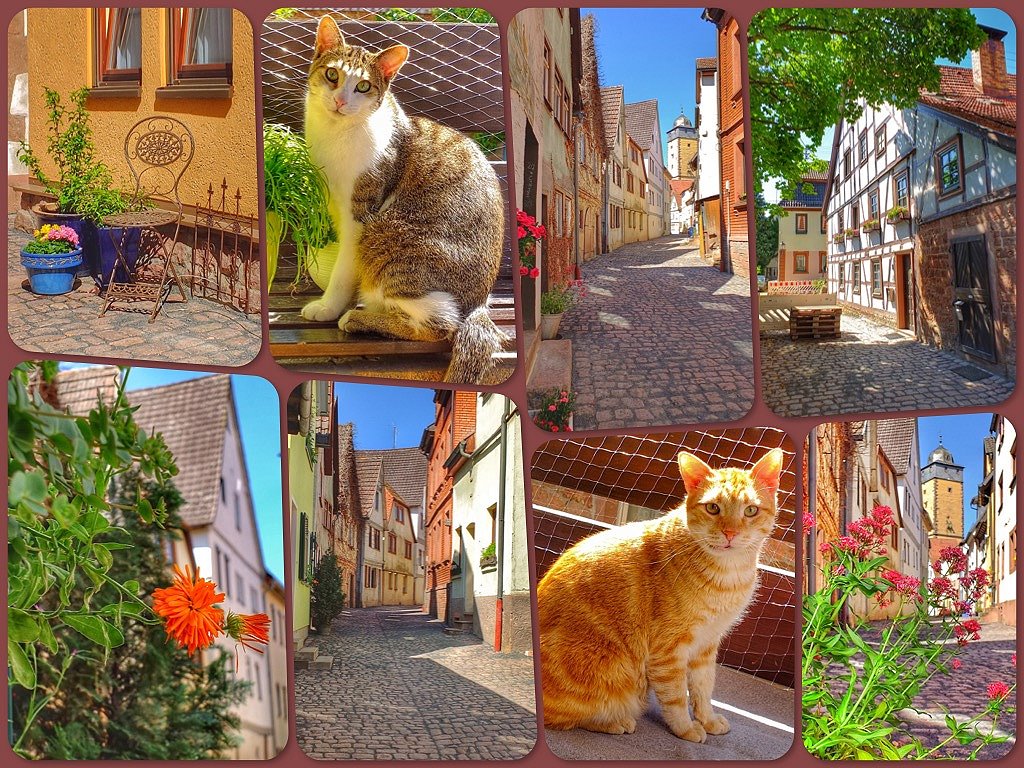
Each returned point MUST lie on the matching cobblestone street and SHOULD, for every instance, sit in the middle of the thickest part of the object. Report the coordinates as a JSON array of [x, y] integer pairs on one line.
[[962, 693], [660, 339], [870, 368], [198, 331], [399, 688]]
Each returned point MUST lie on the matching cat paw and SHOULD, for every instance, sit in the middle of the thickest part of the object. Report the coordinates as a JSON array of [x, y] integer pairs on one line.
[[716, 725], [629, 725], [320, 311], [694, 733]]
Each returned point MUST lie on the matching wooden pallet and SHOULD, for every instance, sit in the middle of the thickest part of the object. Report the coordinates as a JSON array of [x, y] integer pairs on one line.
[[814, 322], [300, 343]]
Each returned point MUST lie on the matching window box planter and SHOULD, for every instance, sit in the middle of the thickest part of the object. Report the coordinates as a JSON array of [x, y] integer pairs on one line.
[[899, 213], [851, 234], [871, 225]]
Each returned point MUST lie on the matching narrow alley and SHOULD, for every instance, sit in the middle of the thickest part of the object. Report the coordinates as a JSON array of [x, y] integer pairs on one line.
[[661, 338]]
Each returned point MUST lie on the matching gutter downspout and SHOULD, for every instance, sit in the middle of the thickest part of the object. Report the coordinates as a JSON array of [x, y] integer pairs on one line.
[[500, 543], [812, 509], [576, 195]]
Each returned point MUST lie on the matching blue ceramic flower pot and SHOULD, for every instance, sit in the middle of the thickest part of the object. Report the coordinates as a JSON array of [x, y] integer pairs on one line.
[[88, 239], [50, 274]]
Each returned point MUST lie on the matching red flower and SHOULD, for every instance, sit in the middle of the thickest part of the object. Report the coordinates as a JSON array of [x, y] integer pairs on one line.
[[998, 690], [534, 272], [189, 610], [540, 231], [957, 663], [248, 629], [524, 270], [521, 232], [552, 407]]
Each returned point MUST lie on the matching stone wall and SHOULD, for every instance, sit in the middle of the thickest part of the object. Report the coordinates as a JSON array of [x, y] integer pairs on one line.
[[938, 326]]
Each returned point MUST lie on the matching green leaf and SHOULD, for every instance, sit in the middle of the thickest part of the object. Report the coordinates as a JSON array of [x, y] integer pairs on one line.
[[22, 627], [145, 511], [26, 486], [132, 586], [98, 630], [46, 636], [23, 669]]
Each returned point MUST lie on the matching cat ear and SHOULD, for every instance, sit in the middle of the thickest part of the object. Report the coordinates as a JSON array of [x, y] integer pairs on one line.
[[693, 470], [768, 468], [328, 35], [391, 60]]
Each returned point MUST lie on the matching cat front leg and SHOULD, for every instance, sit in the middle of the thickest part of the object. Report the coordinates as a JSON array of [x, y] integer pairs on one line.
[[667, 676], [702, 684], [341, 286]]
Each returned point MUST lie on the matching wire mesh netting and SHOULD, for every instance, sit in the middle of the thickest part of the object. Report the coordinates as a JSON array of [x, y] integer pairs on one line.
[[453, 74], [582, 486]]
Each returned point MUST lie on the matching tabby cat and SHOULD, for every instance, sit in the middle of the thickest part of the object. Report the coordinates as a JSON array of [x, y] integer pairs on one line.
[[645, 605], [417, 206]]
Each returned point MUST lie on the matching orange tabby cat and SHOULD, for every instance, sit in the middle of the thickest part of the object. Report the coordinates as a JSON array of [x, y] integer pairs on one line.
[[645, 605]]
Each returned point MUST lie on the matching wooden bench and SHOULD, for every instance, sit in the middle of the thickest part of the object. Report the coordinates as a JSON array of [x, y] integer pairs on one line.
[[307, 345], [815, 322]]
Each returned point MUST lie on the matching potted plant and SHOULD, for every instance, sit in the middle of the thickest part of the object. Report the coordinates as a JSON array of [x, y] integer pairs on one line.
[[528, 234], [554, 303], [83, 188], [871, 225], [898, 213], [297, 204], [838, 238], [489, 557], [555, 411], [326, 600], [52, 258], [851, 233]]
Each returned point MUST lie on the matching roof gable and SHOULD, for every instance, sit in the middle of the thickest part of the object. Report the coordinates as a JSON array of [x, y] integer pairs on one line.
[[959, 96], [611, 107], [642, 122]]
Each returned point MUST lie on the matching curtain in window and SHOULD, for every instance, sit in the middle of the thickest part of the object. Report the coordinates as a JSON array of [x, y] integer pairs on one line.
[[125, 36], [207, 35]]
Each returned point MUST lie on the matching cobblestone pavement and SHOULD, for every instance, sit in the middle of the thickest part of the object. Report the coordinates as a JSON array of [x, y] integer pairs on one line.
[[962, 693], [399, 688], [198, 331], [870, 368], [660, 339]]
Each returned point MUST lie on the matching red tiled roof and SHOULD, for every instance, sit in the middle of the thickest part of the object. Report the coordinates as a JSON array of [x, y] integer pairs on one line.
[[679, 186], [707, 62], [640, 120], [958, 96], [368, 470], [896, 437], [405, 472]]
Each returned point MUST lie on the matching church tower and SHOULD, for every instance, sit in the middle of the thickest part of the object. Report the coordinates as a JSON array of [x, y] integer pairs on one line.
[[682, 149], [942, 491]]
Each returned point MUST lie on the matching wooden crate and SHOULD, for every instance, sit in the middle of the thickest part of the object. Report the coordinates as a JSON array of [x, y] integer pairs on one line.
[[814, 322]]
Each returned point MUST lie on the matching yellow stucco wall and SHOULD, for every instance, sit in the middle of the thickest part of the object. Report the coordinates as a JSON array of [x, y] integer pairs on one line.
[[300, 489], [224, 128]]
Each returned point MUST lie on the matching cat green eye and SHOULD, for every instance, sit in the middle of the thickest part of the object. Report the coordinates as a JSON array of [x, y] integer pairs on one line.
[[332, 75], [713, 509], [363, 86], [750, 511]]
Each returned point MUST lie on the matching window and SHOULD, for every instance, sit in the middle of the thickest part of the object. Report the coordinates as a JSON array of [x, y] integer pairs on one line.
[[392, 544], [839, 222], [801, 223], [855, 216], [547, 74], [556, 97], [118, 46], [566, 111], [822, 262], [201, 44], [739, 166], [842, 277], [734, 55], [559, 222], [1013, 550], [901, 189], [824, 223], [399, 514], [855, 269], [238, 511], [374, 538], [873, 204], [801, 261], [629, 182], [862, 147], [847, 163], [876, 278], [948, 168], [880, 141], [408, 550]]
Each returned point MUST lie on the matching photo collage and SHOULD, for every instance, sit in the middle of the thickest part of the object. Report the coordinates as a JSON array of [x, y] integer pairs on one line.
[[511, 383]]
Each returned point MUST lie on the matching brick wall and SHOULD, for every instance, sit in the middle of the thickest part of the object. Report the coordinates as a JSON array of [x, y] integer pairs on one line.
[[735, 149], [938, 325], [833, 448]]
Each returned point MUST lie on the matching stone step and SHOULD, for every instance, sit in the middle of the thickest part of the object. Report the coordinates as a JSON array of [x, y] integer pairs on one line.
[[322, 662], [307, 653]]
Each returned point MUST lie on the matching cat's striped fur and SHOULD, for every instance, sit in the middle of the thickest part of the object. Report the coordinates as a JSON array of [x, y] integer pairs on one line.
[[644, 606], [417, 206]]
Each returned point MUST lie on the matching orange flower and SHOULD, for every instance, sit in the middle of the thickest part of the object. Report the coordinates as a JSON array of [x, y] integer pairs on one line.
[[248, 629], [189, 610]]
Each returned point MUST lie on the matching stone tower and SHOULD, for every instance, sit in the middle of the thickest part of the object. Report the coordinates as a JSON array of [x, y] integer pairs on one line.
[[682, 148], [942, 491]]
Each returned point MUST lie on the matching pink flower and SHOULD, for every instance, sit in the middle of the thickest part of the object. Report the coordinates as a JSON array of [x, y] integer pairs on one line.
[[524, 270], [540, 231], [521, 232], [554, 427], [956, 558], [1013, 659], [535, 272], [998, 690], [808, 523], [552, 407], [957, 663]]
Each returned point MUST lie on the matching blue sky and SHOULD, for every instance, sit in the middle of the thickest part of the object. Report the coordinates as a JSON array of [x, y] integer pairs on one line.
[[962, 435], [652, 53], [259, 421], [385, 417]]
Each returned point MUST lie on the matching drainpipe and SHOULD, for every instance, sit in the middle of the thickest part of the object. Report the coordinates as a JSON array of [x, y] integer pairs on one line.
[[500, 543], [812, 509], [576, 195]]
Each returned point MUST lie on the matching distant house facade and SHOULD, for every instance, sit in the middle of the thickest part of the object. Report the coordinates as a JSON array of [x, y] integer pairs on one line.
[[1004, 521], [802, 227], [644, 126], [591, 154], [898, 440], [735, 247], [613, 108], [681, 208], [636, 210], [708, 161]]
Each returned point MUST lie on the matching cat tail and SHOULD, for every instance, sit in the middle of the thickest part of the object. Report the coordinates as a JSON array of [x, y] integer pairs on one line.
[[476, 342]]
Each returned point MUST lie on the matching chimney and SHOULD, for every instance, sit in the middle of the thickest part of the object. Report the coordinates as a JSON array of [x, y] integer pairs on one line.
[[988, 65]]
